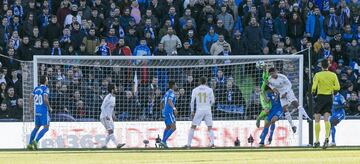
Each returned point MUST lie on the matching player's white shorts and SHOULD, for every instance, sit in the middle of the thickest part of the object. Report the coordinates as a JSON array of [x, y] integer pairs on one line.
[[290, 97], [108, 123], [201, 115]]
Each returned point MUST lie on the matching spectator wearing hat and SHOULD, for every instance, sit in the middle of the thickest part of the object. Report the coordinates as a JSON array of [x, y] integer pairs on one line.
[[205, 26], [210, 38], [77, 36], [74, 13], [238, 44]]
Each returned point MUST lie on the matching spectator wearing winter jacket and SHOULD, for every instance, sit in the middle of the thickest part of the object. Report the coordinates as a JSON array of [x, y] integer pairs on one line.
[[253, 37], [91, 41], [238, 44], [210, 38], [121, 49], [353, 51], [111, 39], [142, 49], [218, 47], [296, 30], [227, 19], [332, 24], [281, 25], [267, 27], [315, 25]]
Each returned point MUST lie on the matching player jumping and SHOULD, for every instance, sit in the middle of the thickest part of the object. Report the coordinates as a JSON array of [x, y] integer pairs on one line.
[[275, 112], [281, 85], [39, 97], [337, 114], [205, 98], [107, 115], [168, 113], [265, 105]]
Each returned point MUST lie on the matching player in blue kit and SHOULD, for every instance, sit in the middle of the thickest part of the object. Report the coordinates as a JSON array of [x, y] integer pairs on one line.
[[40, 99], [275, 112], [169, 112], [337, 114]]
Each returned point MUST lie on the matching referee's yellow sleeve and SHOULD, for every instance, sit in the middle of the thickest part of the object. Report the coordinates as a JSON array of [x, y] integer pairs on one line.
[[337, 84], [315, 83]]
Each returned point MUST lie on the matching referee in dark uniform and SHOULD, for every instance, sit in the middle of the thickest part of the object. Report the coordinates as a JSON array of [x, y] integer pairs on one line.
[[325, 84]]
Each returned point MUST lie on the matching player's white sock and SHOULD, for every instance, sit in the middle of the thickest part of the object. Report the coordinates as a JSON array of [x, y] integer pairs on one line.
[[212, 136], [190, 137], [288, 117], [107, 139], [303, 112], [112, 138]]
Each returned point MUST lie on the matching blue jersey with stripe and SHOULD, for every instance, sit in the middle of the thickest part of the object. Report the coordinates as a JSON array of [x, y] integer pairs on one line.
[[169, 95], [39, 95], [339, 100]]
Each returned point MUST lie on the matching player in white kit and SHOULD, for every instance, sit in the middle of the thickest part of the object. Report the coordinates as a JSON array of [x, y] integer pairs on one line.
[[107, 115], [205, 98], [281, 85]]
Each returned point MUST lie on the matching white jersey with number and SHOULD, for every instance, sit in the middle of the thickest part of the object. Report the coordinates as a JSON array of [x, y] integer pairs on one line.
[[107, 107], [283, 85], [204, 97]]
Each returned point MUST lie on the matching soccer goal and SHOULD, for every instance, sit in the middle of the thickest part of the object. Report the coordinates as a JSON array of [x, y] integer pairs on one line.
[[79, 83]]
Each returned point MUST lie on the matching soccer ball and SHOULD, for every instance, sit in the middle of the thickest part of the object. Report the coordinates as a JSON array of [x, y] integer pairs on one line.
[[260, 64]]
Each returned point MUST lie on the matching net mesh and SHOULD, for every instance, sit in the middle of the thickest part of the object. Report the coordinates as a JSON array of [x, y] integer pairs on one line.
[[77, 87]]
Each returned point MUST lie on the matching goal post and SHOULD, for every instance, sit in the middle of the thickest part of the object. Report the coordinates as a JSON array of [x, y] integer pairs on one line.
[[78, 84]]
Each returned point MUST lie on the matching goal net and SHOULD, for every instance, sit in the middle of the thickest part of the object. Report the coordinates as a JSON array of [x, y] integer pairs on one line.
[[79, 83]]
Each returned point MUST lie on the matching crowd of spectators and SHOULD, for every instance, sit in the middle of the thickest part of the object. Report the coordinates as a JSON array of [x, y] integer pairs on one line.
[[331, 28]]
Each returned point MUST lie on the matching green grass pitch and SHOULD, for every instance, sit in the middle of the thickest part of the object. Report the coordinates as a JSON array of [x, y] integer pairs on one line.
[[341, 155]]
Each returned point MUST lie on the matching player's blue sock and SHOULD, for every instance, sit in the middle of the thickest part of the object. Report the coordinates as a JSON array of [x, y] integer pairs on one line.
[[272, 129], [41, 134], [333, 131], [33, 135], [168, 134], [164, 135], [263, 135]]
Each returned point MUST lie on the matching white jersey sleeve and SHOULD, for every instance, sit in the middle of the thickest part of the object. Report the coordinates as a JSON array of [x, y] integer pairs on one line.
[[282, 84], [204, 97], [107, 107]]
